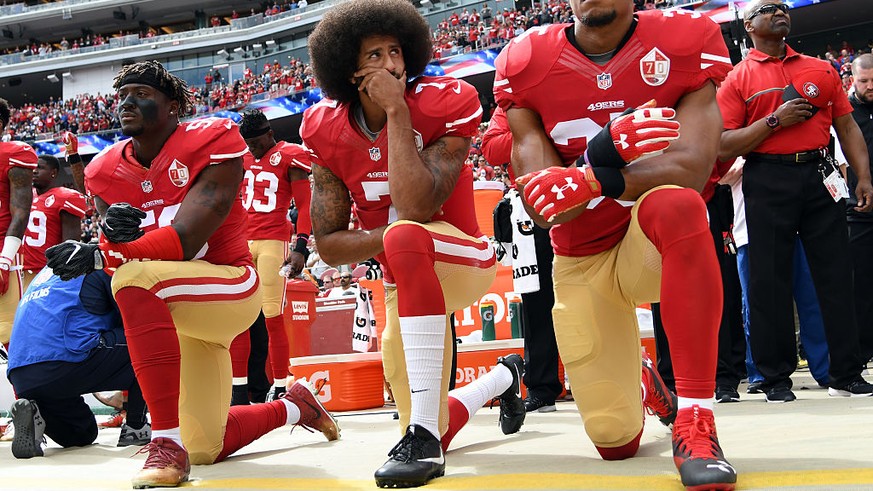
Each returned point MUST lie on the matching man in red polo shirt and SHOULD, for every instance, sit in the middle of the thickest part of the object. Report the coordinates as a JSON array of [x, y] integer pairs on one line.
[[778, 107]]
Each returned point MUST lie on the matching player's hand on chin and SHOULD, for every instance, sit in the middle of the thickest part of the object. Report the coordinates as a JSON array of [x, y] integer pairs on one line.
[[382, 86]]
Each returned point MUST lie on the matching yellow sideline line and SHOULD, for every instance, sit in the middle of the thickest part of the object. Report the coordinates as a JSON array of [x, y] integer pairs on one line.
[[665, 482]]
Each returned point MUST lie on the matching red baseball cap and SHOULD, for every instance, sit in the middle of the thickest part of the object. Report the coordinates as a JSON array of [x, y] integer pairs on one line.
[[816, 85]]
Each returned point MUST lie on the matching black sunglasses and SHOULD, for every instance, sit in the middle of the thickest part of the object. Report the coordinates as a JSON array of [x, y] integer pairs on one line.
[[769, 9], [346, 277]]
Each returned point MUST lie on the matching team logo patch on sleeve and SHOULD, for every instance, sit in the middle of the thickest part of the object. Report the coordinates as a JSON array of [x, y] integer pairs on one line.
[[49, 201], [655, 67], [178, 173], [276, 159]]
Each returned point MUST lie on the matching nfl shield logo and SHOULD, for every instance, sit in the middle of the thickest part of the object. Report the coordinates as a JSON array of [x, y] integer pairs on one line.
[[604, 81], [178, 173], [375, 154], [655, 67], [147, 186]]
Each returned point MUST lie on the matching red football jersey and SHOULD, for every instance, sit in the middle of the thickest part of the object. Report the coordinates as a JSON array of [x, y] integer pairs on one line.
[[115, 176], [267, 189], [439, 106], [12, 154], [44, 228], [669, 54]]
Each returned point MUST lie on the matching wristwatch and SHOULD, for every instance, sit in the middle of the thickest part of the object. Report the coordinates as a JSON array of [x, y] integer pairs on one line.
[[772, 121]]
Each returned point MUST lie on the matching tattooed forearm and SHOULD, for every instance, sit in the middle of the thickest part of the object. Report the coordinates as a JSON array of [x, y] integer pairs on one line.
[[331, 205], [330, 211], [20, 199], [445, 158]]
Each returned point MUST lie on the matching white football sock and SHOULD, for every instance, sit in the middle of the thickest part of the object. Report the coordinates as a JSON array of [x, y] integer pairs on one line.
[[280, 383], [173, 434], [688, 402], [292, 412], [423, 345], [240, 381], [475, 394]]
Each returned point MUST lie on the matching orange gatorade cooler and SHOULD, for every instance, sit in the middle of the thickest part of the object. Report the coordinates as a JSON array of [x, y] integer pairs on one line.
[[347, 382]]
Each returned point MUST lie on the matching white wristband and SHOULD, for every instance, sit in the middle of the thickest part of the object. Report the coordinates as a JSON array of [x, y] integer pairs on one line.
[[10, 247]]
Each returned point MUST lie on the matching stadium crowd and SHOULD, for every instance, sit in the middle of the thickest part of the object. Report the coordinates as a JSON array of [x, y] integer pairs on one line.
[[459, 32]]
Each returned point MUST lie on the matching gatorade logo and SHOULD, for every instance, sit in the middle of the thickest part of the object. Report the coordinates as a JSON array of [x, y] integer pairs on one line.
[[324, 395], [466, 375], [487, 315]]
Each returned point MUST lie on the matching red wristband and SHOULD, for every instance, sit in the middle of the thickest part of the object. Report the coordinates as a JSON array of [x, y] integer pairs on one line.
[[162, 244]]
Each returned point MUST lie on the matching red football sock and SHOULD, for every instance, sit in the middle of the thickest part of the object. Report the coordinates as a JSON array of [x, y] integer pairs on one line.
[[625, 451], [410, 248], [279, 351], [246, 424], [691, 291], [154, 352], [239, 354], [458, 417]]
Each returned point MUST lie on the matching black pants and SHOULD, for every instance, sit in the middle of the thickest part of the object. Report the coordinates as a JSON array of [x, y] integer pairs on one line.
[[68, 418], [731, 366], [540, 346], [782, 202], [259, 384], [861, 249]]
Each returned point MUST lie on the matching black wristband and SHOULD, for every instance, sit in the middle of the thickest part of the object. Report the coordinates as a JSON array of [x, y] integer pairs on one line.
[[601, 151], [611, 181], [74, 158], [301, 245]]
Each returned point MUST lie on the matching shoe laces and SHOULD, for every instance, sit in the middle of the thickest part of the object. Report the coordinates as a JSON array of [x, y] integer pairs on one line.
[[316, 410], [699, 436], [159, 456], [407, 449], [656, 402]]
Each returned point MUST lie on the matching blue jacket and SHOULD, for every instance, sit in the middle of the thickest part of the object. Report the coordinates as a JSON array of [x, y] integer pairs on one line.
[[63, 320]]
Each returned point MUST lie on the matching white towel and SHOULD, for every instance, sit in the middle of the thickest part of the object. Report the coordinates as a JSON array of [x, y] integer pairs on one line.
[[525, 276], [364, 324]]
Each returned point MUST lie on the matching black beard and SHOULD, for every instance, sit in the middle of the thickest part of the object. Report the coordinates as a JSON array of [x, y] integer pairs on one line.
[[133, 131], [598, 20]]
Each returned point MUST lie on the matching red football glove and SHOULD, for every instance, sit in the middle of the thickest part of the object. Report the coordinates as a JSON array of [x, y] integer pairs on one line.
[[642, 133], [5, 266], [558, 190], [71, 143]]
